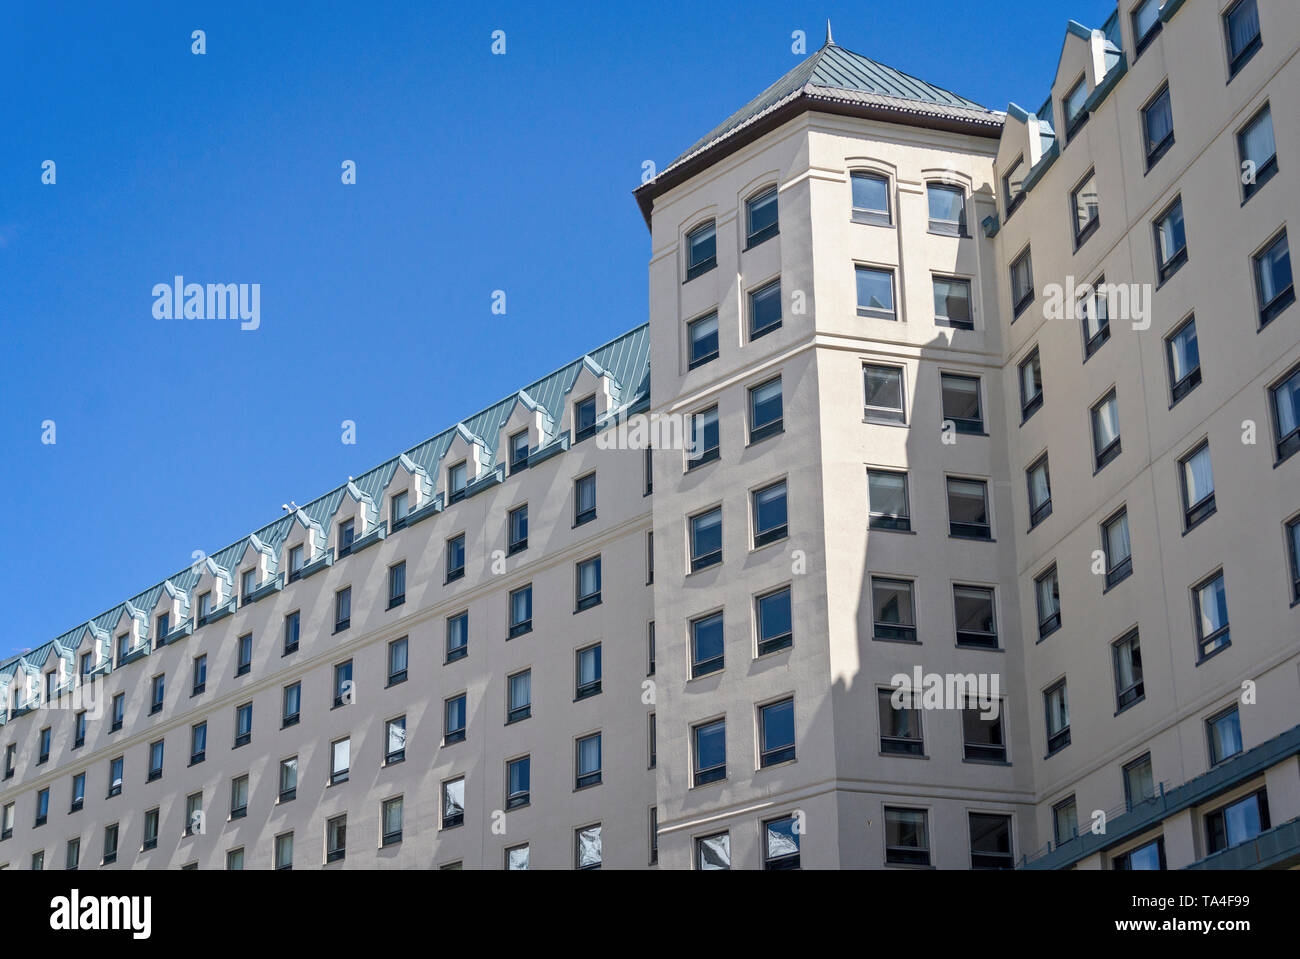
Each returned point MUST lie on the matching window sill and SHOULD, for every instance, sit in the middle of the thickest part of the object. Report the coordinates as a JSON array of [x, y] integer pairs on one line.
[[880, 421], [980, 649], [394, 603], [901, 755], [766, 436], [1126, 708], [1208, 656], [986, 762], [1193, 526]]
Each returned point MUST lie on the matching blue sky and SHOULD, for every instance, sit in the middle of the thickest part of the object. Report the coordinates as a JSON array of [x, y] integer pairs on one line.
[[474, 173]]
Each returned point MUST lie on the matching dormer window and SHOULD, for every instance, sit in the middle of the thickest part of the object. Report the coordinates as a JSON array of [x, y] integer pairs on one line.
[[584, 419], [87, 664], [248, 583], [295, 562], [205, 606], [123, 645], [1013, 186], [398, 509], [519, 451], [457, 479], [701, 250], [347, 532], [1072, 107], [164, 626]]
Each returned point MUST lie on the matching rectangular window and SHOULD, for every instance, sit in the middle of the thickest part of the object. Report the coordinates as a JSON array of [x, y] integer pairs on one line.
[[205, 608], [1047, 595], [288, 779], [707, 647], [870, 198], [1013, 186], [517, 858], [292, 625], [79, 730], [703, 337], [947, 209], [151, 829], [1039, 480], [7, 830], [1257, 152], [706, 539], [115, 773], [704, 438], [1237, 822], [973, 611], [709, 742], [519, 451], [1139, 782], [43, 755], [883, 393], [347, 536], [1072, 107], [764, 309], [517, 529], [766, 410], [960, 397], [701, 250], [518, 782], [155, 760], [887, 500], [78, 792], [1224, 731], [42, 806], [110, 843], [893, 614], [340, 760], [1085, 208], [1065, 820], [336, 838], [1105, 430], [398, 652], [1273, 282], [1031, 385], [1171, 241], [343, 609], [519, 704], [652, 733], [776, 733], [775, 621], [1057, 708], [587, 672], [587, 582], [968, 512], [198, 743], [1126, 653], [1115, 544], [455, 557], [296, 562], [769, 505], [521, 611], [457, 637], [235, 859], [73, 854], [453, 719], [990, 842], [284, 851], [239, 797], [781, 843], [650, 648], [119, 712], [648, 468], [1183, 358], [1241, 27], [1146, 23], [247, 584], [244, 662], [584, 419], [343, 684], [650, 557], [761, 218], [1022, 283], [157, 688], [1158, 126], [398, 509], [584, 499], [292, 705], [243, 725], [587, 761], [907, 837], [1285, 400], [1197, 485], [193, 813], [397, 584], [1210, 602], [900, 724], [713, 852], [586, 847], [952, 305], [457, 481], [876, 293], [395, 735], [1293, 547]]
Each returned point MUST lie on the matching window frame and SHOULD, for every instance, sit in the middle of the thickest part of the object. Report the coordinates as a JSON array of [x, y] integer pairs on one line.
[[704, 264], [1155, 153], [868, 215], [754, 237], [1082, 235], [1269, 311], [879, 313], [1039, 512], [1132, 693], [1238, 61]]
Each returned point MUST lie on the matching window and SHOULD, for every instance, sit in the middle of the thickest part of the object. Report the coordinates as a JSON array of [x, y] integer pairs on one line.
[[1197, 485], [893, 613], [973, 610], [79, 731], [900, 725], [397, 584], [588, 583], [155, 761], [968, 512], [1013, 186], [1293, 547], [1257, 152], [517, 529], [1285, 400], [455, 557], [584, 419], [115, 773], [701, 250], [952, 303], [584, 499], [110, 843], [156, 690], [1126, 653], [650, 648], [766, 411], [1184, 359], [586, 847], [706, 539], [1149, 855], [521, 611], [288, 779], [151, 829], [1058, 717], [395, 734], [295, 562], [73, 854], [1085, 208], [457, 637], [343, 609], [706, 645], [884, 393], [1040, 491], [649, 557], [43, 756], [198, 743], [907, 837], [588, 761], [519, 451], [398, 509], [653, 737], [870, 198], [1158, 126], [119, 712], [713, 852], [769, 514], [518, 777], [245, 659], [703, 337], [390, 816], [347, 535], [1139, 783], [453, 719], [1171, 241], [761, 218], [42, 807], [1237, 822], [773, 614], [776, 733], [457, 481], [205, 609], [336, 838], [947, 209], [990, 841], [239, 797], [343, 684], [397, 660], [1065, 820], [247, 584], [1146, 23], [292, 625], [1072, 107], [876, 293], [1224, 731], [243, 725], [78, 792], [1105, 430], [1047, 594], [1022, 283], [704, 438], [340, 760], [587, 671], [709, 742], [961, 402], [284, 851], [1031, 385], [517, 858], [1115, 544], [194, 813], [1210, 600], [1273, 279], [764, 309], [519, 704], [235, 858], [887, 500], [7, 830], [88, 663], [1241, 25]]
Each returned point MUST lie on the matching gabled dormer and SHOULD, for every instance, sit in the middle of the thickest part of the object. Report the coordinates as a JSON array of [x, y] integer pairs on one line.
[[527, 427], [589, 401], [304, 544], [464, 463], [254, 570], [60, 670], [26, 688], [170, 616], [94, 652], [409, 490], [355, 523], [131, 632], [213, 592]]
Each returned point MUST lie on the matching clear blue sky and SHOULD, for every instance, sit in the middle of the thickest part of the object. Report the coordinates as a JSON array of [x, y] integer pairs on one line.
[[474, 173]]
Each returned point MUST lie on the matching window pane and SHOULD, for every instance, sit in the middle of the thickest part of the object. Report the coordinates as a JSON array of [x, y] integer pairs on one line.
[[1212, 605], [764, 308], [765, 405], [875, 290], [870, 193], [762, 212], [1086, 205], [884, 388], [887, 494], [1273, 268], [952, 301], [1159, 118]]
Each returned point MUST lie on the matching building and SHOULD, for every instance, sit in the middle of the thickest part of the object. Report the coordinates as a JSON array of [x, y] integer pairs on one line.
[[893, 437]]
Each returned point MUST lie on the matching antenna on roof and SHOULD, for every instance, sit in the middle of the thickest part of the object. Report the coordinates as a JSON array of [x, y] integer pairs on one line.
[[291, 506], [829, 41]]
